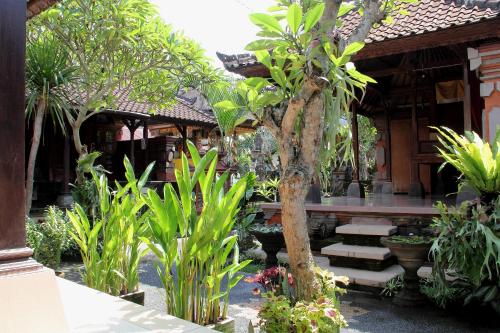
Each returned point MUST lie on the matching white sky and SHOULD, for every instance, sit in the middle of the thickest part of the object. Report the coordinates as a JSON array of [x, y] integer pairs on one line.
[[217, 25]]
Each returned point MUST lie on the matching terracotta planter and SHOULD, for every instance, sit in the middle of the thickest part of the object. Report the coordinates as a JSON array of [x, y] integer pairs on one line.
[[272, 243], [226, 326], [411, 257], [136, 297]]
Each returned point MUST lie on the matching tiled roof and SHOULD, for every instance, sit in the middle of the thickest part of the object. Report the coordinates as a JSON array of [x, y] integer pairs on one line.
[[35, 7], [426, 16], [181, 111]]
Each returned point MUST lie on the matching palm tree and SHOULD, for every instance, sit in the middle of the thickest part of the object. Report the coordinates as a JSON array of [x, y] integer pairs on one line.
[[47, 71], [227, 118]]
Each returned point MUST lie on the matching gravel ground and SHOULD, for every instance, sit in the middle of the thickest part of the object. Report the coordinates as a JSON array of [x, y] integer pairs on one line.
[[364, 313]]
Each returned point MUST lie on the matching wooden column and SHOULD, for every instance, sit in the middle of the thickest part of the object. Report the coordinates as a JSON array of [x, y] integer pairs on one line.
[[183, 131], [387, 186], [467, 97], [66, 163], [416, 187], [132, 125], [355, 189], [145, 135], [14, 255]]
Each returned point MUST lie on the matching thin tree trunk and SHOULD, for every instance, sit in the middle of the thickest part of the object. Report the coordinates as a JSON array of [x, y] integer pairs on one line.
[[76, 139], [293, 190], [35, 143]]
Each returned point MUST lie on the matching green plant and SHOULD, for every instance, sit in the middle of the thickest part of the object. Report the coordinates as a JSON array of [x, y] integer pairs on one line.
[[268, 189], [193, 246], [110, 245], [85, 192], [48, 71], [246, 215], [393, 286], [410, 239], [475, 159], [48, 238], [281, 314], [467, 248]]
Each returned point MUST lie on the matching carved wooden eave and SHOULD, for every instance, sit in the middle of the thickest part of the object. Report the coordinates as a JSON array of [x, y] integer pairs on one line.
[[35, 7]]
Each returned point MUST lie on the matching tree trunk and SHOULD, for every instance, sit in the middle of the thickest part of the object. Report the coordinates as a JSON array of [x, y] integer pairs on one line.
[[293, 190], [80, 149], [35, 143]]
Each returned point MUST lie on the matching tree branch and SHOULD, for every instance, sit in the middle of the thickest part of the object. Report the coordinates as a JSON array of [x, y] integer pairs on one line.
[[374, 12]]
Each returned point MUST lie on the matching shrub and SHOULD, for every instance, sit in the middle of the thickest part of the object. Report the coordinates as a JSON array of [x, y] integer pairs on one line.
[[280, 313], [193, 245], [475, 159], [48, 238], [468, 249], [110, 245]]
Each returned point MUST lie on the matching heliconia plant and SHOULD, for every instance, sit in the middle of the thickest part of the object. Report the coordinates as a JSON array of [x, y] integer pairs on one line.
[[198, 258], [478, 161], [110, 244]]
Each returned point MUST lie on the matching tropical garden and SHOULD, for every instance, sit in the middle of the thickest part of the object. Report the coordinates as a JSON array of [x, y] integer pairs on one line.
[[199, 230]]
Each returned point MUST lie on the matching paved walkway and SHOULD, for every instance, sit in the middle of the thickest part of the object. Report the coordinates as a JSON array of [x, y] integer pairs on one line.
[[365, 314]]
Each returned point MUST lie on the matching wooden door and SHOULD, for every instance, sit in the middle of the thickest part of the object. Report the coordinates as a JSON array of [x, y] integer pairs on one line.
[[401, 154]]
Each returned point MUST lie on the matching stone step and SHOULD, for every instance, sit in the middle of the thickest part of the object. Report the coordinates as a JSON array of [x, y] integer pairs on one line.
[[356, 251], [370, 220], [368, 278], [366, 230], [356, 276]]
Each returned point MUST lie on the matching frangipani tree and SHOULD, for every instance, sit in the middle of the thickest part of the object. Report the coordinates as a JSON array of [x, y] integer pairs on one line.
[[312, 82], [121, 45]]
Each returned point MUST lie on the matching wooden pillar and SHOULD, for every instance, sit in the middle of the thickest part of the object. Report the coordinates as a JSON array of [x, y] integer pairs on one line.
[[66, 163], [387, 186], [145, 136], [355, 189], [467, 97], [14, 255], [416, 187], [183, 131], [132, 125]]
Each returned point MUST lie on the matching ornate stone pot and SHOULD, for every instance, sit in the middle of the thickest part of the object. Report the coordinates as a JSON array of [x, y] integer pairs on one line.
[[272, 242], [411, 257]]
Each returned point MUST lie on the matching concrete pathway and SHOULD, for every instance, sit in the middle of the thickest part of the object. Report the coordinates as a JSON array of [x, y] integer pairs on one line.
[[364, 313]]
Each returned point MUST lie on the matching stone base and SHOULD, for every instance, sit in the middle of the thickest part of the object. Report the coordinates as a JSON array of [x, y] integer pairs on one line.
[[355, 190], [416, 190], [314, 194], [65, 200], [31, 302], [387, 188]]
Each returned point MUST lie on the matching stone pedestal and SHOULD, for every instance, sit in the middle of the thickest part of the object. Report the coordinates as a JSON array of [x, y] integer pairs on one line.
[[356, 190]]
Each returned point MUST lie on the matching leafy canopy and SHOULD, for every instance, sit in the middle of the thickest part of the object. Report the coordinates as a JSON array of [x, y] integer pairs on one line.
[[123, 44]]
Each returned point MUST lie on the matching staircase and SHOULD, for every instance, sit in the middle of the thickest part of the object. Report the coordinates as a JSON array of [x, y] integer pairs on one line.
[[361, 256]]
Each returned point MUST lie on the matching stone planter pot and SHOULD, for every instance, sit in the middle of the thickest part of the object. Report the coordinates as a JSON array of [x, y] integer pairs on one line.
[[411, 257], [136, 297], [272, 243], [226, 326]]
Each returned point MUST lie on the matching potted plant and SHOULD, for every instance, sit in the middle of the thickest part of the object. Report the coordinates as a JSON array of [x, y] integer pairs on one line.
[[198, 272], [411, 252], [272, 240], [110, 244]]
